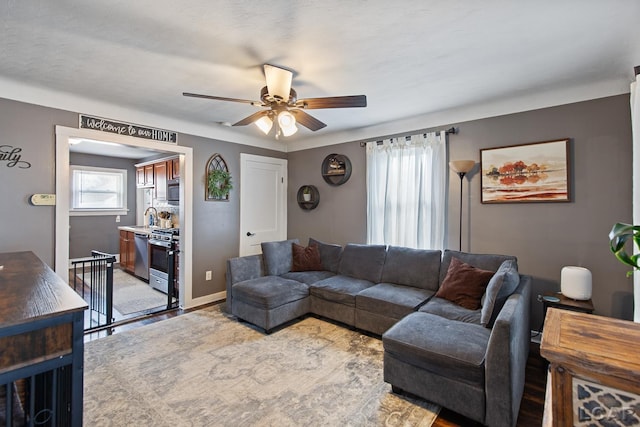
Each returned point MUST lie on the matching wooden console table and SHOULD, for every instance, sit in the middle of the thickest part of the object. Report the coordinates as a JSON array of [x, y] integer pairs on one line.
[[594, 369], [41, 344]]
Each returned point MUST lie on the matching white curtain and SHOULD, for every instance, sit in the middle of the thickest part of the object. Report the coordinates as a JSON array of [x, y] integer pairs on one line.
[[406, 190], [635, 128]]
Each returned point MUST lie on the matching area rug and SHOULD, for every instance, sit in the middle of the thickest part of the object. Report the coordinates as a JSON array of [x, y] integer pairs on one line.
[[131, 295], [204, 369]]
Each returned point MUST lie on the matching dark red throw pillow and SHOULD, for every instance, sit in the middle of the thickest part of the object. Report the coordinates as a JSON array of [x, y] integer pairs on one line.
[[306, 258], [464, 284]]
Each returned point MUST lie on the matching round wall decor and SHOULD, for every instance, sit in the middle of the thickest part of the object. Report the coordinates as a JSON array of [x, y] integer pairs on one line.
[[336, 169], [308, 197]]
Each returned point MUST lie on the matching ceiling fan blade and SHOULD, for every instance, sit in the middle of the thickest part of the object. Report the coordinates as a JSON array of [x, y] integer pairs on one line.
[[333, 102], [307, 120], [220, 98], [252, 118], [278, 82]]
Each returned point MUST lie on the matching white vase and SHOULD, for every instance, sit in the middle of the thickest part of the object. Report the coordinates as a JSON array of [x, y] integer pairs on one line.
[[306, 197]]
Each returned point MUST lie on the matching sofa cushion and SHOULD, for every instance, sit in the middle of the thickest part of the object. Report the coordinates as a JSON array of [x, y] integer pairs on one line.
[[464, 284], [392, 300], [483, 261], [341, 289], [278, 256], [308, 277], [450, 310], [269, 291], [329, 254], [501, 285], [419, 268], [363, 261], [447, 348], [305, 258]]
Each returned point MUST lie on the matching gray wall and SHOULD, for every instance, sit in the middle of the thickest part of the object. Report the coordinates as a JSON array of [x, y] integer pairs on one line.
[[31, 128], [544, 236], [216, 224], [87, 233], [32, 228], [341, 215]]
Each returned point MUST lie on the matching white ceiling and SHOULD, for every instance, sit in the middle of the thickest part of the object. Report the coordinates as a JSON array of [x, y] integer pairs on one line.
[[421, 63]]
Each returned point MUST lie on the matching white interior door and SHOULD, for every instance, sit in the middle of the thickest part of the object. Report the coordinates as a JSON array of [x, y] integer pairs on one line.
[[263, 201]]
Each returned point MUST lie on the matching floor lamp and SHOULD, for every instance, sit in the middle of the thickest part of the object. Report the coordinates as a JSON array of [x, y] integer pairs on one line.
[[461, 167]]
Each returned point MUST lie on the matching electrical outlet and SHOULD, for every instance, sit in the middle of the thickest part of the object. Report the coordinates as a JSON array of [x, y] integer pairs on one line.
[[207, 275], [117, 218]]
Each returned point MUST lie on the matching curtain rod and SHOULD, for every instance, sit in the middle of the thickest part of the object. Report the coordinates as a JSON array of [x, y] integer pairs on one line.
[[451, 131]]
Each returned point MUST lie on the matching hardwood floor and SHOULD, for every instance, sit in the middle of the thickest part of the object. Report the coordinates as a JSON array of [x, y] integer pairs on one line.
[[531, 407]]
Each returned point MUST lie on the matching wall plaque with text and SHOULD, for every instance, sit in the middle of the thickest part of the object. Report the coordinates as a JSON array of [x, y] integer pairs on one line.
[[129, 129]]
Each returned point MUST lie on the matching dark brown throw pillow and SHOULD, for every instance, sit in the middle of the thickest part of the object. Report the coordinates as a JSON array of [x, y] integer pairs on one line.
[[464, 284], [306, 258]]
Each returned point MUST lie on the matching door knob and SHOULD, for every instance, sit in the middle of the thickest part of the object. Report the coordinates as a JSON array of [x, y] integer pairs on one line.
[[249, 234]]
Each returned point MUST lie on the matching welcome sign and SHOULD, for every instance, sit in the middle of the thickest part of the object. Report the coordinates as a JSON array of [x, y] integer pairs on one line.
[[129, 129]]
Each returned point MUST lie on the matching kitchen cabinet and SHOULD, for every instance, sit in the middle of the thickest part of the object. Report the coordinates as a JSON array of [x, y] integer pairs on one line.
[[127, 251], [160, 180], [144, 176], [173, 168]]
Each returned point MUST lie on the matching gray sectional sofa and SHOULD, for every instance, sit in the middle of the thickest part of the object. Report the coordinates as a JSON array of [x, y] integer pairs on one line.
[[471, 360]]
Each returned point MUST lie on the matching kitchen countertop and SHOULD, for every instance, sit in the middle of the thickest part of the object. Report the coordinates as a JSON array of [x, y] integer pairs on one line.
[[137, 228], [142, 229]]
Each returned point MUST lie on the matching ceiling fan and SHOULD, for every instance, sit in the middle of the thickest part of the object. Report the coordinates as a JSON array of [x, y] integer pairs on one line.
[[284, 109]]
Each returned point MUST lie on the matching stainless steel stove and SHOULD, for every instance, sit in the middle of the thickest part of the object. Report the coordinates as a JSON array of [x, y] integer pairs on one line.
[[162, 252]]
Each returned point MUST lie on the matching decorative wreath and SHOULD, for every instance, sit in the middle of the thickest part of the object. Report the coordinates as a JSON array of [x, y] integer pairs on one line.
[[219, 183]]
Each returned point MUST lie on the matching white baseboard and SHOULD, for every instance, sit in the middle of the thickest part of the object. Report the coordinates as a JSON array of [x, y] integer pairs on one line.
[[207, 299]]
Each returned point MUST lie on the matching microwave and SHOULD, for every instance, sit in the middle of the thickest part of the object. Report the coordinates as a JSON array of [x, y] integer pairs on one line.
[[173, 191]]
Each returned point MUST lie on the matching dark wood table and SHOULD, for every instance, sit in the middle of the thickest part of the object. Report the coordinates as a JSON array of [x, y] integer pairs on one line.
[[41, 343], [564, 303]]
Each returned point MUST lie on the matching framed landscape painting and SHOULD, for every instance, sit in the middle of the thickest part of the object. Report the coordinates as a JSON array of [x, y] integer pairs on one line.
[[537, 172]]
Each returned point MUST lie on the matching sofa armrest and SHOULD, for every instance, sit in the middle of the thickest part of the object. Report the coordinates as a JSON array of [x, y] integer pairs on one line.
[[506, 358], [240, 269]]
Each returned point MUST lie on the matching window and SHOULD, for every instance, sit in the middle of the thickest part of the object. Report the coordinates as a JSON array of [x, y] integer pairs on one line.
[[98, 191], [406, 191]]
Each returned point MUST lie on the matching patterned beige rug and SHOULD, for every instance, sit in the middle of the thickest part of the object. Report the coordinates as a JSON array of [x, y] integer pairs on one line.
[[131, 295], [203, 369]]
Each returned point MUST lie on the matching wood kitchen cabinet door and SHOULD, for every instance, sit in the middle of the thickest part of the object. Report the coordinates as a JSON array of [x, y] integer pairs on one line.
[[127, 251], [160, 180], [173, 168], [148, 175]]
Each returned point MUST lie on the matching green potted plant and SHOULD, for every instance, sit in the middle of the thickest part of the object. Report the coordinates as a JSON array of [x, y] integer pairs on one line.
[[218, 184], [306, 194], [619, 235]]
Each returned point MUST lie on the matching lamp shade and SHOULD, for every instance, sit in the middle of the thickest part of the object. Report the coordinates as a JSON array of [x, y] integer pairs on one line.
[[575, 283], [461, 166], [287, 123], [278, 82], [264, 123]]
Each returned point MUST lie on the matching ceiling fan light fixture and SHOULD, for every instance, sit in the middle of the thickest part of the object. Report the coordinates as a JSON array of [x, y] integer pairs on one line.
[[290, 130], [287, 123], [278, 82], [264, 124]]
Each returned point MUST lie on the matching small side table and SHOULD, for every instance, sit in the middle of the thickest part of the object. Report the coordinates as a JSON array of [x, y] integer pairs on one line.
[[564, 303], [582, 306]]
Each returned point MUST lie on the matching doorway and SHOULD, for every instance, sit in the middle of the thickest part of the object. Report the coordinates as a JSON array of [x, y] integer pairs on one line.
[[63, 137]]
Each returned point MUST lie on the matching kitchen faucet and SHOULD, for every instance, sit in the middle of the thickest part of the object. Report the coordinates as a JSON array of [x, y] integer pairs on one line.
[[155, 215]]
